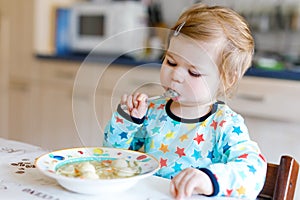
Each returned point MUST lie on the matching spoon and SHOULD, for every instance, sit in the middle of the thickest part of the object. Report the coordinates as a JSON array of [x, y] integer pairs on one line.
[[167, 94]]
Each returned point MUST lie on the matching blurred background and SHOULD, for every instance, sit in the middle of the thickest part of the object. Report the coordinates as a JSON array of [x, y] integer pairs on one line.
[[43, 44]]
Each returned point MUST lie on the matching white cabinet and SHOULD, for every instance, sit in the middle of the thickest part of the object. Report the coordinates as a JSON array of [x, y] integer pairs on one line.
[[272, 115], [268, 98], [23, 111], [17, 70], [57, 127], [19, 14]]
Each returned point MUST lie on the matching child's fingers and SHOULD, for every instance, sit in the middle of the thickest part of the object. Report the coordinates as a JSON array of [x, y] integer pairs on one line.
[[178, 188], [129, 103], [142, 97], [173, 189], [135, 100], [124, 99], [182, 185]]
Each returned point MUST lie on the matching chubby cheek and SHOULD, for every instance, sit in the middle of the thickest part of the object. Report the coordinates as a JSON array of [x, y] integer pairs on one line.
[[200, 91], [165, 77]]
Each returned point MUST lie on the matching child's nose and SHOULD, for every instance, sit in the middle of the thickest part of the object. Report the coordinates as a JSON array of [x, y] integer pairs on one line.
[[178, 74]]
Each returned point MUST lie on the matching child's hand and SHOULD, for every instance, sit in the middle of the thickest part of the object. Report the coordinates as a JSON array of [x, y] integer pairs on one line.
[[190, 181], [136, 104]]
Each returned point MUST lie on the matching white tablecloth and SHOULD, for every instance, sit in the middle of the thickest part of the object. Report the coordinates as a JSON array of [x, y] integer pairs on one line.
[[20, 180]]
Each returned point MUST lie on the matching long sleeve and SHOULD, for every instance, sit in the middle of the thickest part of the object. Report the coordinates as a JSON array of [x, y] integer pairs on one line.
[[238, 165], [122, 132]]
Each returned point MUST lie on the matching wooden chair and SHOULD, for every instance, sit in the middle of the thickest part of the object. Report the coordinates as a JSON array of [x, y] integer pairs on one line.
[[281, 180]]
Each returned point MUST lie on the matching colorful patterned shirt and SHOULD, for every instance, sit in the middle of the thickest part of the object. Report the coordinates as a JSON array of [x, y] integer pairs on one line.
[[217, 143]]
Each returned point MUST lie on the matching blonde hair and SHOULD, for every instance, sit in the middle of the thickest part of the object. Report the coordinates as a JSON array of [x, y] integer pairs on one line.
[[204, 23]]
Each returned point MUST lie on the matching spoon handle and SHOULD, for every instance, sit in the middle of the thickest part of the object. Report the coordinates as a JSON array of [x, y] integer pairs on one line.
[[124, 107]]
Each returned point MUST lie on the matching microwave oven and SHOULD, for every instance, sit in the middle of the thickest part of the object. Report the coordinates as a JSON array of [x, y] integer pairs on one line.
[[109, 28]]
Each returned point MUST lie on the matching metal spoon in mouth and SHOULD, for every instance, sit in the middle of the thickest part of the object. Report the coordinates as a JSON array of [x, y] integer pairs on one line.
[[167, 94]]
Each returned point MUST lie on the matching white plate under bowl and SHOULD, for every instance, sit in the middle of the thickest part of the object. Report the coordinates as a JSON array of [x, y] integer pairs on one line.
[[49, 163]]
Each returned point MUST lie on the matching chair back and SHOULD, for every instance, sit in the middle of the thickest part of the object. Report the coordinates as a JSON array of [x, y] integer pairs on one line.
[[281, 180]]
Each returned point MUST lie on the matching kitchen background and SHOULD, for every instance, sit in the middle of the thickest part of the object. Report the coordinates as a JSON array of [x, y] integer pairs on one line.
[[37, 75]]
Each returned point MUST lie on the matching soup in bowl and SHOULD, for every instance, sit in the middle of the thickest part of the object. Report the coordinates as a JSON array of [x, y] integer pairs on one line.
[[95, 170]]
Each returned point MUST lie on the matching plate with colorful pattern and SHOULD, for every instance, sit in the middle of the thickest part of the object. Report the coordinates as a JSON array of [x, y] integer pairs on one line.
[[96, 170]]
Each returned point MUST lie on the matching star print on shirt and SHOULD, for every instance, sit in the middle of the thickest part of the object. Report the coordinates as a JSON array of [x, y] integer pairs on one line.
[[203, 124], [169, 135], [152, 146], [251, 168], [183, 137], [151, 105], [164, 148], [105, 135], [226, 147], [190, 126], [241, 190], [199, 138], [210, 155], [151, 117], [180, 151], [214, 124], [163, 118], [175, 122], [237, 130], [130, 127], [123, 135], [243, 156], [262, 157], [129, 141], [161, 106], [117, 144], [229, 192], [222, 123], [111, 129], [197, 155], [177, 167], [219, 113], [163, 162], [155, 129], [119, 120]]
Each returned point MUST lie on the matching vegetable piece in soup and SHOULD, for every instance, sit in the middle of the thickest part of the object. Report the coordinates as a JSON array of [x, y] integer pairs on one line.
[[105, 169]]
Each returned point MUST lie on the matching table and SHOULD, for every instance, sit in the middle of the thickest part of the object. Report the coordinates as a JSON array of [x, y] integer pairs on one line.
[[19, 179]]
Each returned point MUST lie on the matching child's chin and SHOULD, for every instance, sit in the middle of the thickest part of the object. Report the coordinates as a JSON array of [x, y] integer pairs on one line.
[[176, 99]]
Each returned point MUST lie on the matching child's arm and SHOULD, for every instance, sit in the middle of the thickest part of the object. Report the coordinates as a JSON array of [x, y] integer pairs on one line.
[[243, 168], [124, 130], [238, 168]]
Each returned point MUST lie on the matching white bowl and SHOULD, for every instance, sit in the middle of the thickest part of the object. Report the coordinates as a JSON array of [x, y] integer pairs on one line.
[[50, 162]]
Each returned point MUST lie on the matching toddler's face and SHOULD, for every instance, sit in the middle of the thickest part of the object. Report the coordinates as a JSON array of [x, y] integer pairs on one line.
[[189, 68]]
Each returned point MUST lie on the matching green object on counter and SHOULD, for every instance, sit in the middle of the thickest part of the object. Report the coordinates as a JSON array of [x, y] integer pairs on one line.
[[269, 64]]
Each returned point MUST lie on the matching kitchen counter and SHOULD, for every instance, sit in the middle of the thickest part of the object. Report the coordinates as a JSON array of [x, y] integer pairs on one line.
[[253, 71], [278, 74]]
